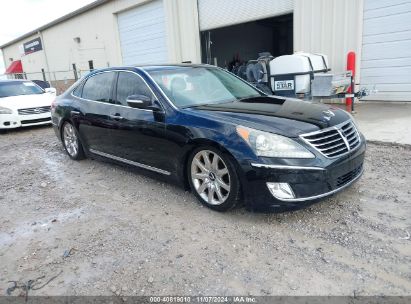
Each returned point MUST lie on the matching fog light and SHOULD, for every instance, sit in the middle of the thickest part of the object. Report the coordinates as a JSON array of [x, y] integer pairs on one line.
[[281, 190]]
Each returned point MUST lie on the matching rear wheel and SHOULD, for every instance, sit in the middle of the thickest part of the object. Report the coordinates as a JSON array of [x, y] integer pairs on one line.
[[71, 142], [213, 179]]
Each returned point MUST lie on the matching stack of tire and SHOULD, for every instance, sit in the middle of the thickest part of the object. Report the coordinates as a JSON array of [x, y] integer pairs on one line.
[[257, 72], [240, 71]]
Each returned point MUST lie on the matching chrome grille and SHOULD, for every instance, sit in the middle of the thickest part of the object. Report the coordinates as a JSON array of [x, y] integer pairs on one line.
[[335, 141], [37, 110]]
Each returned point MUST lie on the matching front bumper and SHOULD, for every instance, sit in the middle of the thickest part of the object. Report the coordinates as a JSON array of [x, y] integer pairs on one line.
[[308, 183], [12, 121]]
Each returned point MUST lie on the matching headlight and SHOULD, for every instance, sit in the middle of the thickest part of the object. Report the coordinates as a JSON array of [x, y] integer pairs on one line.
[[5, 110], [273, 145]]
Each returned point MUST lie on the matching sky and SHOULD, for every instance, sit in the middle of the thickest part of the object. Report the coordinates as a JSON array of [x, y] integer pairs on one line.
[[18, 17]]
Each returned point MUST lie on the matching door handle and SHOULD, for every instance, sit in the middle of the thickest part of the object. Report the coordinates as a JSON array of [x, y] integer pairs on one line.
[[116, 117], [75, 112]]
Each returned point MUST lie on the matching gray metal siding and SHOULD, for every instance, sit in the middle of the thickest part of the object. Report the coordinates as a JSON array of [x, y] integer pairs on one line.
[[220, 13], [331, 27], [386, 49], [142, 34]]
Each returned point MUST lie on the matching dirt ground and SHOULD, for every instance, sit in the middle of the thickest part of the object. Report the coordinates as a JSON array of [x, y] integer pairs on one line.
[[103, 229]]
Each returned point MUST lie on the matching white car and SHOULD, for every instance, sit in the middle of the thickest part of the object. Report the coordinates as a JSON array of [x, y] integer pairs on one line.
[[23, 103]]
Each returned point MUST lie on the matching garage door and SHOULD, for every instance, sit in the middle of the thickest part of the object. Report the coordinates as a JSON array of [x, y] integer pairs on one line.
[[143, 35], [386, 50], [217, 13]]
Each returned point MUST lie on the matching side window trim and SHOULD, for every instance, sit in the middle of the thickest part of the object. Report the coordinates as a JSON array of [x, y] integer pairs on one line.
[[115, 86], [79, 89], [116, 102]]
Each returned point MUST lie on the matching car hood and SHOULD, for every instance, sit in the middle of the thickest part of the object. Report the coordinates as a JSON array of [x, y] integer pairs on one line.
[[27, 101], [286, 116]]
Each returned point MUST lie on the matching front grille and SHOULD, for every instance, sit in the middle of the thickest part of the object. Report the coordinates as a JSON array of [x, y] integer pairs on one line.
[[346, 178], [31, 121], [335, 141], [31, 111]]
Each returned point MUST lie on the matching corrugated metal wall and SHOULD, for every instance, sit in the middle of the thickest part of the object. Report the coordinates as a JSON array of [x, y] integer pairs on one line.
[[386, 50], [331, 27], [219, 13], [142, 32]]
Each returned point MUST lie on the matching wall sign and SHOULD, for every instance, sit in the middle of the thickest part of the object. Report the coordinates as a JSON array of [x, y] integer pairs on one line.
[[32, 46]]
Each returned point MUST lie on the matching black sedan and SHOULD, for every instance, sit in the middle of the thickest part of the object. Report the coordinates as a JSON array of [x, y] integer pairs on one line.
[[214, 133]]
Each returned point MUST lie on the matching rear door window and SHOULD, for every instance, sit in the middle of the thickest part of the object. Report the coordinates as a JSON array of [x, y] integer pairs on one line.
[[130, 84], [77, 90], [99, 87]]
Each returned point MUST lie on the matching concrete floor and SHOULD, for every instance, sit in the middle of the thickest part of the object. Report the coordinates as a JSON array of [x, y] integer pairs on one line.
[[386, 122]]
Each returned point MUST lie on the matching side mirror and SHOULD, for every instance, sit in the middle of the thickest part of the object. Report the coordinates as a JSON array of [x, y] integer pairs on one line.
[[139, 101], [50, 90], [155, 107]]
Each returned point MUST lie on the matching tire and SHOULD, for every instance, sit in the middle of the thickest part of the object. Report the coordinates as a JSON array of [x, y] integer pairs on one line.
[[71, 141], [215, 183]]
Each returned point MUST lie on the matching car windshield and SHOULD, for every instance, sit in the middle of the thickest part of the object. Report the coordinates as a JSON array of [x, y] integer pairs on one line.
[[16, 88], [195, 86]]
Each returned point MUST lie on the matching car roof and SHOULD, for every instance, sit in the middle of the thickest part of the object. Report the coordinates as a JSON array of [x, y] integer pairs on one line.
[[152, 67], [172, 66]]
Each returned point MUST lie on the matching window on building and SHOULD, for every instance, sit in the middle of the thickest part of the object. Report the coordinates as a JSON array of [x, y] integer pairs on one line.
[[90, 65], [130, 84], [99, 87]]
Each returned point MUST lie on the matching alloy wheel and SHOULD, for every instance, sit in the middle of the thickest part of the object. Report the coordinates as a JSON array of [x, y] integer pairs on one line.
[[70, 139], [210, 177]]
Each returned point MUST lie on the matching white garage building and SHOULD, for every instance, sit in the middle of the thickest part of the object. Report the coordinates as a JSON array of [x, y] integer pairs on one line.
[[386, 48], [128, 32]]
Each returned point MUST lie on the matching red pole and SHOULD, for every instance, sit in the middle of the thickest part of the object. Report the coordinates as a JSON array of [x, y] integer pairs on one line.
[[350, 67]]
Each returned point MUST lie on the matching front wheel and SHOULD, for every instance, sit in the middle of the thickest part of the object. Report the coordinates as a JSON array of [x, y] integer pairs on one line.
[[71, 142], [213, 178]]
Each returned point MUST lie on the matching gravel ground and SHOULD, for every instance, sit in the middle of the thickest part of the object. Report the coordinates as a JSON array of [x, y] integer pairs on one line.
[[104, 229]]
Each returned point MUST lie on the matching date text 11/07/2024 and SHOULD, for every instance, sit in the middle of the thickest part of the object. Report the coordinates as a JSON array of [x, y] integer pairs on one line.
[[203, 299]]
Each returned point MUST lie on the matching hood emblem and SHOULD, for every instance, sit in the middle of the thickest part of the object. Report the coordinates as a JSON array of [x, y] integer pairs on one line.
[[328, 114]]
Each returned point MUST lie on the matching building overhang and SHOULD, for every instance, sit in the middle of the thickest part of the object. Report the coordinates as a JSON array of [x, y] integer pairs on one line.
[[15, 68]]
